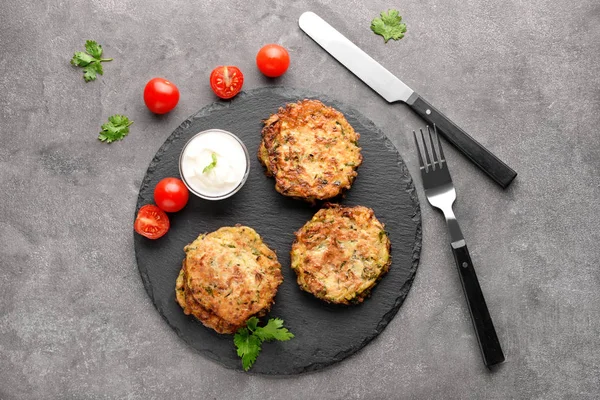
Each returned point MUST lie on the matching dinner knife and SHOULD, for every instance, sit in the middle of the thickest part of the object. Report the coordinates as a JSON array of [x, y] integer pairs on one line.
[[393, 89]]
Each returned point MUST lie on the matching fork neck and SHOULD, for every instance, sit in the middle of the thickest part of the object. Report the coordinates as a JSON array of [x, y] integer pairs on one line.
[[456, 236]]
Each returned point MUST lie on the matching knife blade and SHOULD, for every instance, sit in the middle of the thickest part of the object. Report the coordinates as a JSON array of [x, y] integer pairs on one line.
[[393, 89]]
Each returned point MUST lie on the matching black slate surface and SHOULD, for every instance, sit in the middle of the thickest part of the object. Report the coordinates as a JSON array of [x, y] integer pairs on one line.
[[325, 333]]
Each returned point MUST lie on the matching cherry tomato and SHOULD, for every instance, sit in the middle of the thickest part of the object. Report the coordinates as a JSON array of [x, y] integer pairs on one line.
[[273, 60], [171, 194], [160, 95], [151, 222], [226, 81]]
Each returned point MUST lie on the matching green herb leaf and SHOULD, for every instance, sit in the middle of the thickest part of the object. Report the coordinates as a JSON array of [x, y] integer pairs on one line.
[[210, 166], [90, 61], [97, 67], [274, 330], [252, 323], [248, 347], [93, 48], [389, 25], [248, 340], [115, 129], [89, 72], [81, 59]]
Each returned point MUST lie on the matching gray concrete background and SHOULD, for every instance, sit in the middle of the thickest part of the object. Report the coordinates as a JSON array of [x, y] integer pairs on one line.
[[520, 76]]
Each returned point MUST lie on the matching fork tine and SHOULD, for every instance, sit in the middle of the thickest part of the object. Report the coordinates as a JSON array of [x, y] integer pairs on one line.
[[425, 151], [418, 150], [442, 157], [434, 155]]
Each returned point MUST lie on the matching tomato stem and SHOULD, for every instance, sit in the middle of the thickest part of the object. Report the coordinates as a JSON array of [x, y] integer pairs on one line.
[[105, 59]]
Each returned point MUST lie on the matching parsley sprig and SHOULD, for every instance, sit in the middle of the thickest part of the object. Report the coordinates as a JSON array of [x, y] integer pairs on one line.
[[389, 25], [248, 340], [115, 129], [90, 60]]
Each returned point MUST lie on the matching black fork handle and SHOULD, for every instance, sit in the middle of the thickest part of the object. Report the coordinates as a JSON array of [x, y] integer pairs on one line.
[[482, 322], [479, 155]]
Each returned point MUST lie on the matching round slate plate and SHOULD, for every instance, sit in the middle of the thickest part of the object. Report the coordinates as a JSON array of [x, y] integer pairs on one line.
[[325, 333]]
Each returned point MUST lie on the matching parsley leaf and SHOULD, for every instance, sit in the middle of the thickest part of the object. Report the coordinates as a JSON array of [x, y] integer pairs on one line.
[[389, 25], [274, 330], [252, 323], [93, 48], [210, 166], [248, 340], [115, 129], [81, 59], [89, 72], [90, 60], [248, 347]]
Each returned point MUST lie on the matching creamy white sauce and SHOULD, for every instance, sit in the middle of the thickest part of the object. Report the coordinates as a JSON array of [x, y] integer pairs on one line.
[[229, 170]]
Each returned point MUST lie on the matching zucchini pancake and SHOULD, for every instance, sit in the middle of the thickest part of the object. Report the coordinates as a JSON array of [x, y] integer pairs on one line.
[[311, 151], [341, 253], [227, 277]]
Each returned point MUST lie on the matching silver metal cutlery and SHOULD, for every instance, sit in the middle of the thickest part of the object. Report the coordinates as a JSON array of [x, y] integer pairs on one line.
[[393, 89], [441, 194]]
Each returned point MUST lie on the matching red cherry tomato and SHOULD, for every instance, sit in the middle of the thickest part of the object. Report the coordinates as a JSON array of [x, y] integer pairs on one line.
[[226, 81], [273, 60], [151, 222], [171, 194], [160, 95]]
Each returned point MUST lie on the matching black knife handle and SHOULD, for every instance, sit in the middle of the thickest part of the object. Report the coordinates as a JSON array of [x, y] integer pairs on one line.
[[482, 322], [479, 155]]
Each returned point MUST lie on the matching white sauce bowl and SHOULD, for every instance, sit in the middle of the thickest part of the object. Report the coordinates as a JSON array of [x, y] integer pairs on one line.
[[214, 164]]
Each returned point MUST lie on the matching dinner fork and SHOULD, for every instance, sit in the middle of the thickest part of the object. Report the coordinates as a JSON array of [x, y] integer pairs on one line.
[[441, 194]]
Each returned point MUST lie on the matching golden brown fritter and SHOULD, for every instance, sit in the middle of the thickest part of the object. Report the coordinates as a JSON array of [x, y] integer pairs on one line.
[[190, 306], [341, 253], [227, 277], [311, 151]]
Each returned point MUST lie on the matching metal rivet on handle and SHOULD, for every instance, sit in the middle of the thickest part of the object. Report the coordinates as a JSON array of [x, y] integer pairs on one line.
[[428, 111], [465, 265]]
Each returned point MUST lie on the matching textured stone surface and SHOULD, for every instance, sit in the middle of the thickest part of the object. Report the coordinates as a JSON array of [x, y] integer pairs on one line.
[[324, 334], [520, 76]]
